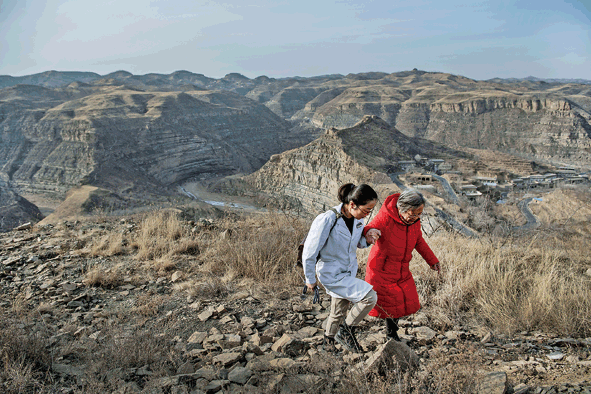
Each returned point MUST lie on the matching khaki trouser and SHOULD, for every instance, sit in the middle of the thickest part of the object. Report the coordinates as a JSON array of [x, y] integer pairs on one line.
[[339, 306]]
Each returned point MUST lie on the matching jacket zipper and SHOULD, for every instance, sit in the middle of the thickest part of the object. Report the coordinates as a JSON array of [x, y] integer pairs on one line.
[[402, 262]]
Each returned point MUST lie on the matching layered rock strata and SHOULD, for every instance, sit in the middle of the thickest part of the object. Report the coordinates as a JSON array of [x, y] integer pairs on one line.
[[116, 135], [307, 178], [535, 120]]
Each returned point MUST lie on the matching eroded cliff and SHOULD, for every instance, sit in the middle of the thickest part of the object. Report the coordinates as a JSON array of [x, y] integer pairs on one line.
[[308, 177], [114, 136], [536, 120]]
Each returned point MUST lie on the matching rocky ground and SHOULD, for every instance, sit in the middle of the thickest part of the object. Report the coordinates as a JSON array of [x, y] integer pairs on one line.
[[122, 329]]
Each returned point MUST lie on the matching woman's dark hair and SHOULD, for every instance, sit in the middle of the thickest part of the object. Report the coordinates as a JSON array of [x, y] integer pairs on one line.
[[360, 194]]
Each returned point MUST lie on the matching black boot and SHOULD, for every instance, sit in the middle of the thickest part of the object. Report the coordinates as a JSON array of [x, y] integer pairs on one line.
[[392, 329], [346, 337]]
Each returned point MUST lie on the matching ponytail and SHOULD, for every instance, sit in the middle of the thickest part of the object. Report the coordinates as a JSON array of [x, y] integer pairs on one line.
[[360, 194]]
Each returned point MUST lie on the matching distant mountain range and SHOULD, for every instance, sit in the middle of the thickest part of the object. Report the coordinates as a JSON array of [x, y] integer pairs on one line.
[[182, 77], [147, 133], [535, 79]]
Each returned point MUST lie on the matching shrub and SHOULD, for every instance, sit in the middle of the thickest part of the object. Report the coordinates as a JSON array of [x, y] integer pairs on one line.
[[261, 247]]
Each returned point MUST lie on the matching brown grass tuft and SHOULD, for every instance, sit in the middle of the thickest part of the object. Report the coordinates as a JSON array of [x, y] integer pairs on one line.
[[159, 234], [262, 247], [510, 284], [100, 276], [113, 244], [24, 357]]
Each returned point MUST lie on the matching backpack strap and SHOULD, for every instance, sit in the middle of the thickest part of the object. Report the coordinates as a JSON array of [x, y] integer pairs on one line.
[[301, 245], [339, 215]]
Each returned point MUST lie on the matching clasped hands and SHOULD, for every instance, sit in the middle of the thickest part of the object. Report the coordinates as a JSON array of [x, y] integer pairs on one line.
[[372, 235]]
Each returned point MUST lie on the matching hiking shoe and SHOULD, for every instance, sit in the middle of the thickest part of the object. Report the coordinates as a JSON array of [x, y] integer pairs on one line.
[[392, 329], [328, 344], [346, 337]]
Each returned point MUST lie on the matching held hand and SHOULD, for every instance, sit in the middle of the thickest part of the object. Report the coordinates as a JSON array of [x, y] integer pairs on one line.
[[436, 267], [311, 286], [372, 236]]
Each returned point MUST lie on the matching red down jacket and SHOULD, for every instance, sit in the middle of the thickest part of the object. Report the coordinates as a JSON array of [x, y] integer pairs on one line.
[[387, 267]]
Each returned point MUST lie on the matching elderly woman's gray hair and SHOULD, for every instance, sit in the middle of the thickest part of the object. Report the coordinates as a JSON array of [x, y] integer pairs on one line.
[[409, 200]]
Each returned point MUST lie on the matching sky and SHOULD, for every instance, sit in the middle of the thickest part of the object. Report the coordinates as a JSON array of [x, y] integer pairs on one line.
[[476, 39]]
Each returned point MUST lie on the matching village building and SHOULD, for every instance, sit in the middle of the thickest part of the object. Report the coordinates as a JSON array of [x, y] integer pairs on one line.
[[426, 188], [470, 191], [444, 167], [421, 160], [407, 165], [417, 177]]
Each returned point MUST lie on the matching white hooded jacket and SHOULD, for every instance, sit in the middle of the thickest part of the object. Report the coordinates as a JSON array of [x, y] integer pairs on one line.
[[337, 256]]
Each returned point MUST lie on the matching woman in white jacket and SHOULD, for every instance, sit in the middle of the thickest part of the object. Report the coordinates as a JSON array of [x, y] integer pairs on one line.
[[330, 252]]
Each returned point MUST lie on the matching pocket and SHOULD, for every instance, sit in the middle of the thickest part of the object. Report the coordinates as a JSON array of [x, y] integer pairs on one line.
[[343, 236]]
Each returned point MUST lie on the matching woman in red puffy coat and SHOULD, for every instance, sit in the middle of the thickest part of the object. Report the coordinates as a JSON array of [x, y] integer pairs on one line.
[[397, 232]]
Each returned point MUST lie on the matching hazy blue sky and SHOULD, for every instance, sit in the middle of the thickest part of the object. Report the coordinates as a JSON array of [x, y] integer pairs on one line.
[[477, 39]]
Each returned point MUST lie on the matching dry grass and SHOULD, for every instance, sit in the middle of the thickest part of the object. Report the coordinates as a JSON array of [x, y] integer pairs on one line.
[[159, 235], [207, 287], [262, 247], [440, 373], [148, 304], [511, 285], [112, 244], [101, 276], [451, 373], [24, 358], [534, 282]]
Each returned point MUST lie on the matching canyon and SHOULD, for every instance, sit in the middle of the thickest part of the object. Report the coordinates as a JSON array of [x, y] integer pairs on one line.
[[141, 136]]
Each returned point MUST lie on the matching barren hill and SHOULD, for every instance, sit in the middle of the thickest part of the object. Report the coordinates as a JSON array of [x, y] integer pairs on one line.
[[535, 120], [114, 136], [306, 178], [528, 117]]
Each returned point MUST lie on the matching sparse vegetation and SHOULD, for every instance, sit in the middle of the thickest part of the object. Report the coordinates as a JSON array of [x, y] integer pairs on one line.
[[535, 282], [530, 282], [259, 247]]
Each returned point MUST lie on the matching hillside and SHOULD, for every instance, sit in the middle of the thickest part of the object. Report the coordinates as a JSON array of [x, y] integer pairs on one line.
[[15, 210], [307, 178], [139, 136], [155, 303], [539, 121], [114, 136], [536, 119]]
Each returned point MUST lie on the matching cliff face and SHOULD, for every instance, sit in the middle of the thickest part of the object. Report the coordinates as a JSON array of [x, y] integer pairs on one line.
[[532, 118], [115, 136], [535, 120], [308, 178], [541, 128], [15, 210]]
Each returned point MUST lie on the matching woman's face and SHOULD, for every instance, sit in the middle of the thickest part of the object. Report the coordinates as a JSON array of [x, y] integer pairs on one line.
[[412, 215], [361, 211]]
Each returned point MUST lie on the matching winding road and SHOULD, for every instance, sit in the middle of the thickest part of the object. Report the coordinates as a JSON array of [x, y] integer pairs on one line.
[[451, 194], [532, 220], [452, 197]]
